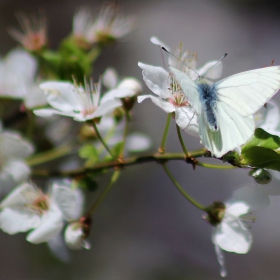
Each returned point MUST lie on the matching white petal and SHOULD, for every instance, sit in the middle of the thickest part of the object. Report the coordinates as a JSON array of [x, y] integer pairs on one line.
[[221, 260], [13, 145], [187, 120], [117, 93], [18, 196], [51, 225], [110, 78], [21, 62], [237, 208], [166, 106], [137, 142], [35, 97], [46, 112], [65, 200], [267, 118], [214, 73], [156, 79], [105, 108], [232, 236], [58, 248], [61, 96], [18, 219], [52, 112], [17, 169], [255, 197]]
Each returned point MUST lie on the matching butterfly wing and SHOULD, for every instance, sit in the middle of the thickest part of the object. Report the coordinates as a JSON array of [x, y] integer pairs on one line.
[[189, 88], [234, 130], [247, 92]]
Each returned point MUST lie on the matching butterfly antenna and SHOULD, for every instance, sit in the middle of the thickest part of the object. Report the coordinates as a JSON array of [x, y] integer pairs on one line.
[[215, 64], [163, 48]]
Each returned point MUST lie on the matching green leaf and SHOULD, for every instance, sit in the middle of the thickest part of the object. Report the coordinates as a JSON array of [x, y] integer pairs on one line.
[[90, 153], [263, 139], [261, 157]]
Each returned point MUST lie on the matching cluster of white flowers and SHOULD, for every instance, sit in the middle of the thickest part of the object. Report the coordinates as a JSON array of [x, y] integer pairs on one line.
[[27, 208]]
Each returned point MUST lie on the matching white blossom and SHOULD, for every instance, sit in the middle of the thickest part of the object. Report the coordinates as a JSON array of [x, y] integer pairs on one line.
[[33, 36], [28, 208], [76, 101], [169, 97], [13, 152], [108, 25], [232, 234], [18, 78]]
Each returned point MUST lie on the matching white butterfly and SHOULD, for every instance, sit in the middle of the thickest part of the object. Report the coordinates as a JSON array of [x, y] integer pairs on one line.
[[225, 109]]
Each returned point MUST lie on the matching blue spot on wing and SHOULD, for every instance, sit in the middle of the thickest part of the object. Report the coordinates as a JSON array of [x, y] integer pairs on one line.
[[208, 98]]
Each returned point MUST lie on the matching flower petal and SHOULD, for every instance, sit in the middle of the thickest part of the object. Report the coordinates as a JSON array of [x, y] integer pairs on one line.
[[18, 219], [187, 120], [61, 96], [255, 197], [237, 208], [51, 225], [110, 78], [166, 106], [156, 79], [232, 236], [65, 200], [105, 108]]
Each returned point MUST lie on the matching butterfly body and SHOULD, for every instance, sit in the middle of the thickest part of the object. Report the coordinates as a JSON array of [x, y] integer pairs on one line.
[[225, 109], [208, 98]]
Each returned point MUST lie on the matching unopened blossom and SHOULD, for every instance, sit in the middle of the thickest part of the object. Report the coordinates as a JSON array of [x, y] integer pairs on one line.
[[18, 78], [28, 208], [126, 88], [109, 25], [13, 152], [75, 236], [33, 36], [80, 103]]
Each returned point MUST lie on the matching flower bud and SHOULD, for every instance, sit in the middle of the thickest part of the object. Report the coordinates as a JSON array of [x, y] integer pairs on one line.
[[261, 176], [216, 212], [136, 89], [133, 84], [75, 237]]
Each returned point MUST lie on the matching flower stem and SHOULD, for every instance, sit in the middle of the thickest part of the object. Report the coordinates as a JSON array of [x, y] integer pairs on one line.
[[214, 166], [124, 134], [49, 155], [158, 158], [101, 139], [180, 189], [161, 149], [114, 178], [182, 141]]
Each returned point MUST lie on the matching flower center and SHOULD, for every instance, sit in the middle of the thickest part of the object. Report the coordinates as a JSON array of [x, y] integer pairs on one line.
[[179, 99], [40, 204]]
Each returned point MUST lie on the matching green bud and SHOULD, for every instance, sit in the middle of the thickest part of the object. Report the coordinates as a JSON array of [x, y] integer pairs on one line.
[[261, 176]]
